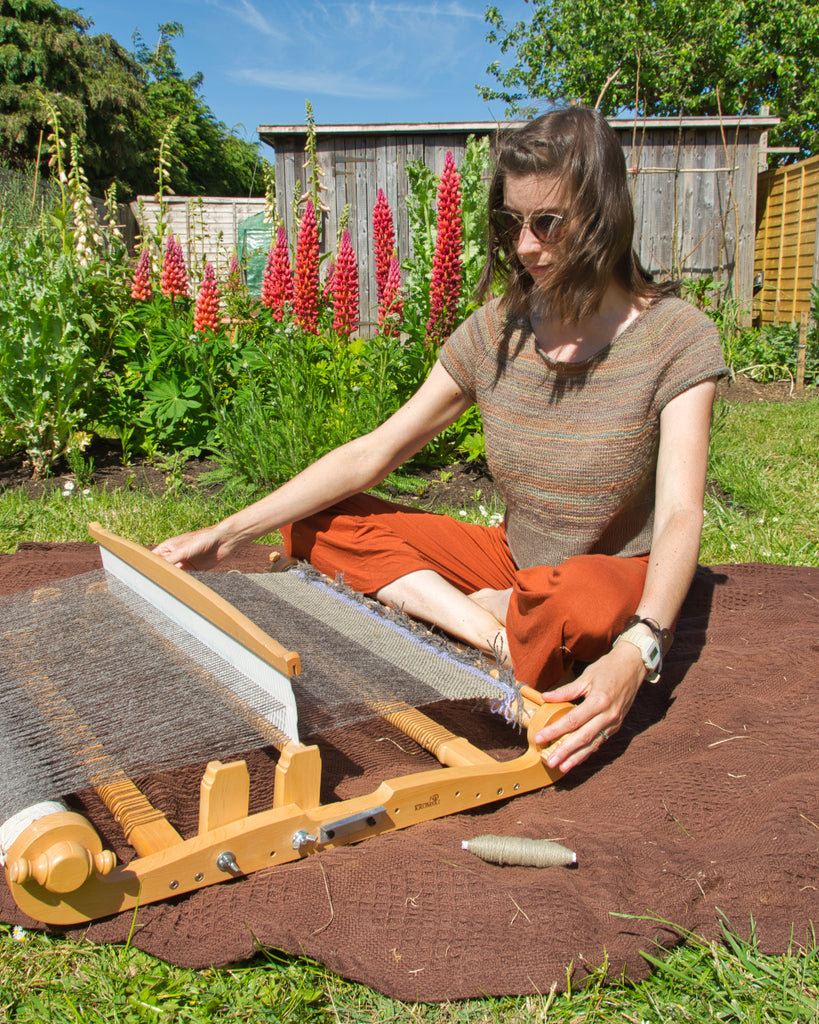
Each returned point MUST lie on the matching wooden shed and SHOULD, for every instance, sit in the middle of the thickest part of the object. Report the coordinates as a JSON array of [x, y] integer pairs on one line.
[[694, 187], [786, 262]]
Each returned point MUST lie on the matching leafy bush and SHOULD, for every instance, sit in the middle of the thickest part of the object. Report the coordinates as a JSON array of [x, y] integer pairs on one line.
[[93, 341], [767, 353], [57, 321], [298, 396]]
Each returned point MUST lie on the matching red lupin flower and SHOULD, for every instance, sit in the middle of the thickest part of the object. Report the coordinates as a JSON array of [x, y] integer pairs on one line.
[[384, 241], [391, 306], [174, 279], [141, 288], [206, 314], [345, 289], [277, 285], [307, 267], [445, 288]]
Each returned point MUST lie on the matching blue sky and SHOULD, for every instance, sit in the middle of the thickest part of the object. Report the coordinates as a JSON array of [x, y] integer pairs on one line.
[[376, 61]]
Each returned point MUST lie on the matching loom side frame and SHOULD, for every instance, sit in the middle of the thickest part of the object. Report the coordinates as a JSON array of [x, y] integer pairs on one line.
[[241, 844]]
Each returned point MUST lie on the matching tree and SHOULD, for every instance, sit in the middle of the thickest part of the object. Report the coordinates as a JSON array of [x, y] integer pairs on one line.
[[47, 58], [668, 57], [119, 105], [208, 159]]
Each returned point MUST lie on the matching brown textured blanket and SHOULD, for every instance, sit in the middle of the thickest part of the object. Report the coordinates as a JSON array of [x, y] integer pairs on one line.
[[703, 806]]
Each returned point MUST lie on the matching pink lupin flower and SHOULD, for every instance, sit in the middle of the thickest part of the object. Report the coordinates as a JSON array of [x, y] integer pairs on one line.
[[307, 267], [384, 242], [391, 306], [206, 314], [277, 285], [445, 288], [345, 289], [174, 279], [141, 288], [234, 275]]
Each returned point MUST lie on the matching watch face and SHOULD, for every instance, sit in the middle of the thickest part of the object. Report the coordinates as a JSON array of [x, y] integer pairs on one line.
[[653, 654]]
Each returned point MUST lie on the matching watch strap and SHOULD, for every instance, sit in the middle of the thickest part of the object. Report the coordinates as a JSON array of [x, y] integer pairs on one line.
[[648, 647], [665, 637]]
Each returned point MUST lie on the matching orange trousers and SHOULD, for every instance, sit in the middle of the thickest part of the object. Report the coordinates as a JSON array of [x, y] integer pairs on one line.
[[557, 614]]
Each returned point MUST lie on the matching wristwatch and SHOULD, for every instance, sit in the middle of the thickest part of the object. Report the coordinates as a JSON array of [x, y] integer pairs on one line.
[[648, 647], [665, 637]]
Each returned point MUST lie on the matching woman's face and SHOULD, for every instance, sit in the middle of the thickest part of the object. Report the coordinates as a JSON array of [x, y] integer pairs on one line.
[[527, 196]]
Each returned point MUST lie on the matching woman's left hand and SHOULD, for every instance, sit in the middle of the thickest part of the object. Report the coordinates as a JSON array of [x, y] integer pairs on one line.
[[606, 691]]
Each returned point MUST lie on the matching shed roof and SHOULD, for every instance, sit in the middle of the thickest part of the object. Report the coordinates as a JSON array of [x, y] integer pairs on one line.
[[298, 132]]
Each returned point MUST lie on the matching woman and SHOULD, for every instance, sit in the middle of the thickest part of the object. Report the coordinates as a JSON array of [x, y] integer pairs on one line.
[[595, 389]]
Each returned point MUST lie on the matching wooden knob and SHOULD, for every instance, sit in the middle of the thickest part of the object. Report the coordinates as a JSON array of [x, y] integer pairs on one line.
[[62, 868], [105, 861], [59, 852]]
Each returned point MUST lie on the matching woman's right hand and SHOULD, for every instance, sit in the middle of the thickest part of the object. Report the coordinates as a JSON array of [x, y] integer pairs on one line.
[[199, 549]]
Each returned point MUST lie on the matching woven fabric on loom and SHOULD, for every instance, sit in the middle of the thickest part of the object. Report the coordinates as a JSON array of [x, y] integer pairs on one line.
[[355, 661], [97, 681]]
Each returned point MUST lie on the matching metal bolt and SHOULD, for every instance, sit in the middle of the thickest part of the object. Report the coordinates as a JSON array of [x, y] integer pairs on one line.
[[302, 838], [173, 885], [227, 862]]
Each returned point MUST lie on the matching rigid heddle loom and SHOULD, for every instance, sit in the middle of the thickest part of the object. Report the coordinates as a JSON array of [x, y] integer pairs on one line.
[[112, 675]]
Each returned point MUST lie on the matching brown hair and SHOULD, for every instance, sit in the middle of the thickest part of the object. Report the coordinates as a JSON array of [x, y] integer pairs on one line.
[[579, 147]]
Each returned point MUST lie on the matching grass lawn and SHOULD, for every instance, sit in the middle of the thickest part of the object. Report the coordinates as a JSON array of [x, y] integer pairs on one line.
[[762, 505]]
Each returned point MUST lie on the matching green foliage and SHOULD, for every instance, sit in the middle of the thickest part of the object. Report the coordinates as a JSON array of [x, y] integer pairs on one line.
[[48, 57], [42, 980], [208, 159], [57, 322], [666, 57], [464, 438], [422, 212], [771, 353], [299, 396], [117, 103], [762, 503], [25, 198], [726, 978], [161, 379]]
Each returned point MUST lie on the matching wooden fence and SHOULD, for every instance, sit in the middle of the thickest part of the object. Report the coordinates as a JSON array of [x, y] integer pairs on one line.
[[208, 226], [786, 258]]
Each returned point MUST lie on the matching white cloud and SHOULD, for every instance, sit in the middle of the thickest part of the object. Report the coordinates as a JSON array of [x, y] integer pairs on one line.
[[245, 12], [444, 10], [322, 82]]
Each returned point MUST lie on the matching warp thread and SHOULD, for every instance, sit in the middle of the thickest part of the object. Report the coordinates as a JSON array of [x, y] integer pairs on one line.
[[509, 702], [516, 850]]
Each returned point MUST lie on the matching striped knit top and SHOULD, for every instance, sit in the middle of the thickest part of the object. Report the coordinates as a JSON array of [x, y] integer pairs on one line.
[[573, 446]]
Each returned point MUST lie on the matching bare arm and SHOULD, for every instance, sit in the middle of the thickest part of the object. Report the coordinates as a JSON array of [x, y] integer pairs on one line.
[[609, 686], [347, 470]]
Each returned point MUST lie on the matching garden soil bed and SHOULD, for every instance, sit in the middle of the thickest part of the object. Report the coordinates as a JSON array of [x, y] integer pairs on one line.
[[461, 484]]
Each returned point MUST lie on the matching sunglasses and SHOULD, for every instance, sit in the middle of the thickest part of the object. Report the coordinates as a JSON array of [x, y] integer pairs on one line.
[[546, 227]]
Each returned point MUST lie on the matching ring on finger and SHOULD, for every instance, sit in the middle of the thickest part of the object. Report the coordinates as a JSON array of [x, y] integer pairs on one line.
[[603, 734]]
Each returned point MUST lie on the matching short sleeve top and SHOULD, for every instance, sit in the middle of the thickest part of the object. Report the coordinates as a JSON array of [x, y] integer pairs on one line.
[[573, 446]]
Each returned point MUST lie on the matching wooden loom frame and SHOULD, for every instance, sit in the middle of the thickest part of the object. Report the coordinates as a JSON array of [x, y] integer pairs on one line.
[[59, 873]]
